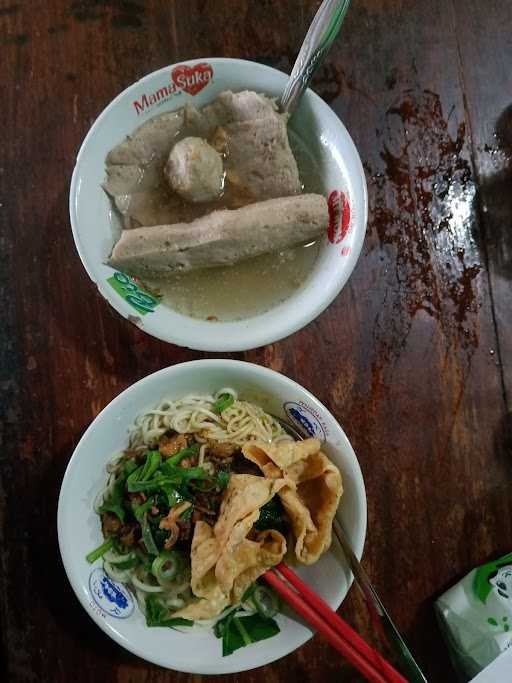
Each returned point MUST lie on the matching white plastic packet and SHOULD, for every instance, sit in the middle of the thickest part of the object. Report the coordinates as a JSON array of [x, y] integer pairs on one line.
[[476, 616], [497, 672]]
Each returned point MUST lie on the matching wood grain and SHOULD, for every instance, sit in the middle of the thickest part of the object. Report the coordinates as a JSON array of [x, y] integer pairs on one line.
[[414, 356]]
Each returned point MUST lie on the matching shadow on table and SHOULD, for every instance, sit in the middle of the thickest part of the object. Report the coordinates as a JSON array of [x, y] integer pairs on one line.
[[504, 436], [481, 520], [53, 585], [435, 661], [494, 199]]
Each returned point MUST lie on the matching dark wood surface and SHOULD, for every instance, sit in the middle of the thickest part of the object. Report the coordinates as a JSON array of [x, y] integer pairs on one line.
[[414, 356]]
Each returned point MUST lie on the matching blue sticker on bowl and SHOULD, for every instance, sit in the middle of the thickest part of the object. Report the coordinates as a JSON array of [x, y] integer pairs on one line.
[[306, 419], [112, 597]]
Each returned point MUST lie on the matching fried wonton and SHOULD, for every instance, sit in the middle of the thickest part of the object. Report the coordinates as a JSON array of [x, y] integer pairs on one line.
[[225, 561], [311, 494]]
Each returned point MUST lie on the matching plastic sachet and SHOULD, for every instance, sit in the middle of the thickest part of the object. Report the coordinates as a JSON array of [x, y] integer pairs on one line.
[[476, 616]]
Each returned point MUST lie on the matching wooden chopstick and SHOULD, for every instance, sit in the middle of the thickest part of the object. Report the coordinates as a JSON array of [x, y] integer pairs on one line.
[[332, 627]]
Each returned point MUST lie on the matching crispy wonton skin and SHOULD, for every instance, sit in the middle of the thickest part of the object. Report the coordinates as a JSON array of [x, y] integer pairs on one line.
[[312, 492], [225, 562]]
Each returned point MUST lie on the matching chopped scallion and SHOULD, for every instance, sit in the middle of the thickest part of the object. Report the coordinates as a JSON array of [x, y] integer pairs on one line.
[[100, 551], [265, 601], [167, 565], [222, 403]]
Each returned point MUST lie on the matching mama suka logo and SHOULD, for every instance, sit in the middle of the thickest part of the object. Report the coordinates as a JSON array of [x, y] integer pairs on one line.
[[339, 219], [184, 78]]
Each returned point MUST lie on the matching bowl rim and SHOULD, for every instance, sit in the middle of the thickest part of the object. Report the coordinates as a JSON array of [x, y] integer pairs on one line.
[[357, 543], [262, 334]]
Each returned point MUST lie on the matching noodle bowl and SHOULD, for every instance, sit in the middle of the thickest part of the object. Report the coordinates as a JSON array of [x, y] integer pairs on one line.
[[196, 489], [79, 526]]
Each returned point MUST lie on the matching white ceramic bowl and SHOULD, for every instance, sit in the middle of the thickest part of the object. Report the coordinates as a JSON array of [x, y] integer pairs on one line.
[[79, 527], [94, 222]]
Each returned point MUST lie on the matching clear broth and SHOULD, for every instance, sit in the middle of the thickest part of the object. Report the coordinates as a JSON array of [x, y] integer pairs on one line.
[[251, 287]]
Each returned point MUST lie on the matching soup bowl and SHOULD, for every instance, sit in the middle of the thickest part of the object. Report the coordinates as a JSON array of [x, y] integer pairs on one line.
[[79, 526], [341, 180]]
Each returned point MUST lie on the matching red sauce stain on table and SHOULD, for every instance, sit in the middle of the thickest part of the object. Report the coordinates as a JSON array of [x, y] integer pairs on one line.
[[422, 206]]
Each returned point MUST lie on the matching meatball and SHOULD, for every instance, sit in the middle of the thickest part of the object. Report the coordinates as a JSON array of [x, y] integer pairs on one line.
[[194, 170]]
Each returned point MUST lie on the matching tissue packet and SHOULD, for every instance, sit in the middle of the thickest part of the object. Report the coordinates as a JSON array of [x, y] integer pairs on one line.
[[476, 616]]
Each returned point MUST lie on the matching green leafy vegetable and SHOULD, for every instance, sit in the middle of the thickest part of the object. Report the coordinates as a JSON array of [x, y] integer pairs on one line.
[[190, 451], [182, 473], [237, 631], [160, 536], [158, 615], [145, 471], [273, 516], [187, 514], [218, 482], [219, 627], [153, 462], [115, 503], [147, 486], [224, 401], [248, 593], [240, 627], [168, 476], [223, 479], [140, 512], [205, 485], [192, 473], [99, 551], [162, 503], [155, 520], [174, 496], [129, 467], [153, 484]]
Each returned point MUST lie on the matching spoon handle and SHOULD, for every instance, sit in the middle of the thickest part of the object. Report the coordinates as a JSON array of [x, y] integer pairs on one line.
[[319, 38], [380, 617]]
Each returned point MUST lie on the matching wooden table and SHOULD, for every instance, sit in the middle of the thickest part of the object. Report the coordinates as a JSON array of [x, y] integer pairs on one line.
[[414, 356]]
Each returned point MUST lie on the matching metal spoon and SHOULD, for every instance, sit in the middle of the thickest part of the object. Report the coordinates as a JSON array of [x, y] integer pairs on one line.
[[380, 617], [319, 38]]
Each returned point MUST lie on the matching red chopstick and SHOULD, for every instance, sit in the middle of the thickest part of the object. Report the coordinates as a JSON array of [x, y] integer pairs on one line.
[[336, 631]]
